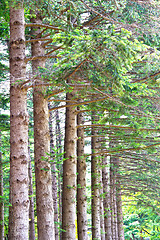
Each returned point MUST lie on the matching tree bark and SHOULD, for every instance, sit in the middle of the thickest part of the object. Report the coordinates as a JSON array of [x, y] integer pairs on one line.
[[113, 199], [59, 138], [95, 201], [81, 182], [19, 210], [44, 200], [31, 199], [101, 208], [54, 178], [119, 205], [106, 200], [69, 174], [1, 194]]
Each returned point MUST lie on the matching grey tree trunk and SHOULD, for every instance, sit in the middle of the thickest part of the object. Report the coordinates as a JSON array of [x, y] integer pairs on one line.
[[44, 200], [1, 194], [101, 208], [19, 210], [59, 139], [54, 178], [81, 182], [95, 200], [107, 200], [31, 199], [119, 204], [69, 174]]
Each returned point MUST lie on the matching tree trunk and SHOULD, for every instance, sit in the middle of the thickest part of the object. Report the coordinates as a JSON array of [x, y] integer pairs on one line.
[[119, 204], [59, 138], [54, 178], [95, 203], [113, 199], [69, 175], [1, 194], [101, 208], [44, 200], [19, 211], [31, 206], [106, 200], [81, 182]]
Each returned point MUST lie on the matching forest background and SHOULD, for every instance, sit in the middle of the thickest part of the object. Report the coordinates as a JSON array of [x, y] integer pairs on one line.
[[94, 65]]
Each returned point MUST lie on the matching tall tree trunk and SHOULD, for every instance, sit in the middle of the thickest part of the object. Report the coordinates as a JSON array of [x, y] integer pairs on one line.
[[60, 167], [31, 206], [44, 200], [69, 174], [101, 208], [113, 198], [95, 202], [54, 178], [81, 182], [1, 194], [106, 200], [119, 204], [19, 210]]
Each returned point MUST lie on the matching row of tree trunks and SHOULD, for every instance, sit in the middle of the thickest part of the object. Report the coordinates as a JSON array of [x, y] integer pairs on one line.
[[19, 211]]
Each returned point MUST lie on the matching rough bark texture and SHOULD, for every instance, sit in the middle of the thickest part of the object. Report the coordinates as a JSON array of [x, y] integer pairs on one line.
[[106, 200], [44, 201], [81, 182], [101, 208], [19, 211], [59, 138], [113, 199], [1, 194], [69, 175], [96, 233], [119, 205], [31, 199], [54, 178]]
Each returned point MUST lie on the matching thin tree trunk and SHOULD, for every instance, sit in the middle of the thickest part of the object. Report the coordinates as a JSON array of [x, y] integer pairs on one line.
[[69, 175], [1, 194], [60, 167], [119, 205], [95, 203], [19, 210], [112, 198], [106, 200], [101, 208], [81, 182], [54, 178], [31, 206], [44, 200]]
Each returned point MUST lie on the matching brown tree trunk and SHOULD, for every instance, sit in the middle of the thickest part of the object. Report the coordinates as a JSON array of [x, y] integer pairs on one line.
[[81, 182], [1, 194], [119, 204], [54, 178], [44, 200], [31, 206], [106, 200], [69, 174], [19, 210], [95, 201]]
